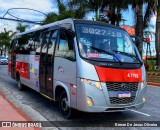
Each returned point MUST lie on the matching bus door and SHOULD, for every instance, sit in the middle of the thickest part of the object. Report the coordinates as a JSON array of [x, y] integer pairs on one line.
[[46, 63], [13, 64], [13, 59]]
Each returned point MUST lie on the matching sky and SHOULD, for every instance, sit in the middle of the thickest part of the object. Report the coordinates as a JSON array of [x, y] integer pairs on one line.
[[44, 6], [47, 6]]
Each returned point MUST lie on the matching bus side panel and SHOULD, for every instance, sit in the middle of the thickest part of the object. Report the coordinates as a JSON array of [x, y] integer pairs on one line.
[[65, 72], [34, 71], [27, 66]]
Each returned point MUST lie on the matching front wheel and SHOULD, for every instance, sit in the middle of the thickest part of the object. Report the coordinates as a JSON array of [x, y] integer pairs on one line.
[[66, 111]]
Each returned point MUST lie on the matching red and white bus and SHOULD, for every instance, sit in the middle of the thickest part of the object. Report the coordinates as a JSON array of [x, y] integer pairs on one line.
[[84, 65]]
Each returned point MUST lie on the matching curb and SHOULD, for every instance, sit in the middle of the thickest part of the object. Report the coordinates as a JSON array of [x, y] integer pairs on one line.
[[153, 84], [17, 110], [26, 110]]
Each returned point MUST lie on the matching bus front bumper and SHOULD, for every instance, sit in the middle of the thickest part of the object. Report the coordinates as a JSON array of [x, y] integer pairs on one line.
[[100, 99], [113, 109]]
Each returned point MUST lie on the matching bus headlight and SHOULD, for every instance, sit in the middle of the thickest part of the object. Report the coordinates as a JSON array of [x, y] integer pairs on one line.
[[92, 83], [143, 84], [89, 101]]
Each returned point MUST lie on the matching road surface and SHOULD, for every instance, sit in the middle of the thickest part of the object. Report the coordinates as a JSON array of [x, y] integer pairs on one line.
[[36, 106]]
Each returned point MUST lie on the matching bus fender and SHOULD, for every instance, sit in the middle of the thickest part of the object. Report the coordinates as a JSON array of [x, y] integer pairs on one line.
[[64, 86]]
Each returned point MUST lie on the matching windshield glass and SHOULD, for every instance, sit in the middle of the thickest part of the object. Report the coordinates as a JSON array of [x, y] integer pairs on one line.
[[103, 43]]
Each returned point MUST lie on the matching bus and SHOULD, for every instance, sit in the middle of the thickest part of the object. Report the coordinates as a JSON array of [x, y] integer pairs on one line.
[[81, 64]]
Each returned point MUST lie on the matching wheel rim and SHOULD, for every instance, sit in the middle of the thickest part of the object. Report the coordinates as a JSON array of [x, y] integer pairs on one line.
[[64, 105]]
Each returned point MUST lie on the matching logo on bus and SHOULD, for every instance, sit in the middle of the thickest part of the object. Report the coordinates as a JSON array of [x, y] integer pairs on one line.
[[124, 86], [36, 59]]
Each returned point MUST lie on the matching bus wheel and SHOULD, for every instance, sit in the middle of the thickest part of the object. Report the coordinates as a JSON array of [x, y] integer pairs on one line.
[[66, 111], [20, 85]]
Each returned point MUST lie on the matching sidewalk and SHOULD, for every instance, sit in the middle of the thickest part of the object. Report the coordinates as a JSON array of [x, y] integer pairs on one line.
[[9, 112], [153, 84]]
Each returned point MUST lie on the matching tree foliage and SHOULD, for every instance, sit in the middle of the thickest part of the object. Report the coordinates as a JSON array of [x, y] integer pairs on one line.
[[21, 28], [5, 38], [87, 5], [64, 13], [112, 10]]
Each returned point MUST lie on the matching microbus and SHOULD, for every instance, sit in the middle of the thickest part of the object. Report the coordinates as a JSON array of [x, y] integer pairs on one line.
[[81, 64]]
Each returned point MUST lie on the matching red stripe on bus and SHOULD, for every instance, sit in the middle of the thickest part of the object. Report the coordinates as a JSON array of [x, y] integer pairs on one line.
[[23, 69], [119, 75]]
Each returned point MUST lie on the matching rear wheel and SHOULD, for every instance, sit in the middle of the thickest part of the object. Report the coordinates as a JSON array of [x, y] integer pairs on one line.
[[19, 84], [66, 111]]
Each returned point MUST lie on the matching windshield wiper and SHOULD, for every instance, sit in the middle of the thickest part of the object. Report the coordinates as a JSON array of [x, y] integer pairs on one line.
[[107, 52], [130, 55]]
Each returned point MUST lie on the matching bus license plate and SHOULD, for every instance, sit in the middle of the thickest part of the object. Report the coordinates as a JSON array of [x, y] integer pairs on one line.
[[124, 94]]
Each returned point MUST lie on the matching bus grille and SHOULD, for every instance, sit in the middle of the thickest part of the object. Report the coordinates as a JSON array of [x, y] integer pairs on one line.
[[122, 87], [115, 100]]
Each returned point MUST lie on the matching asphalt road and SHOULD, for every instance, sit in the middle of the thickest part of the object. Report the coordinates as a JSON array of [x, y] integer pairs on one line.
[[36, 106]]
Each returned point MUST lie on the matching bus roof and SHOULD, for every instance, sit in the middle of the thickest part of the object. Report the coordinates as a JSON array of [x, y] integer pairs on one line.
[[96, 23], [69, 20]]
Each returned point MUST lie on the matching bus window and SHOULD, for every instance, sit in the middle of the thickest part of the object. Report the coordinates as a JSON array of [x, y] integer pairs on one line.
[[30, 46], [13, 43], [120, 44], [45, 41], [52, 43], [37, 37], [65, 47], [21, 45], [96, 42]]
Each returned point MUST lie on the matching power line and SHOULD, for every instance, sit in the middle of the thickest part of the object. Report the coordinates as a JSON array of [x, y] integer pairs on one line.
[[19, 20]]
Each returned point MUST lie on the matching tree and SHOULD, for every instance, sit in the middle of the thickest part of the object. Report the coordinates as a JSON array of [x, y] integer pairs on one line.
[[64, 13], [137, 6], [154, 7], [141, 19], [5, 38], [113, 10], [21, 28], [157, 41], [88, 6]]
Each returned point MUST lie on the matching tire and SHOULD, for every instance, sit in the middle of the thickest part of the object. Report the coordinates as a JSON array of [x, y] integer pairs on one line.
[[65, 110], [20, 85]]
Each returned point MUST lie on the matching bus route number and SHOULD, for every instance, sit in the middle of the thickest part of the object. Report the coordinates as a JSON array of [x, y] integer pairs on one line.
[[96, 31], [93, 31]]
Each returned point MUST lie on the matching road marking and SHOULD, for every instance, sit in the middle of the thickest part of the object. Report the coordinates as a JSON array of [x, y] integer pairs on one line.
[[140, 112]]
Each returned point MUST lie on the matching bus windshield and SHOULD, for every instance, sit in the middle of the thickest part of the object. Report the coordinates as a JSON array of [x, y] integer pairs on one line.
[[103, 43]]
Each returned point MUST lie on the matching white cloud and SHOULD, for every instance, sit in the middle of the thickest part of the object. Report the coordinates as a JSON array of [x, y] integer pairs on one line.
[[41, 5], [44, 6], [10, 26]]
